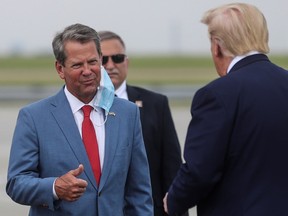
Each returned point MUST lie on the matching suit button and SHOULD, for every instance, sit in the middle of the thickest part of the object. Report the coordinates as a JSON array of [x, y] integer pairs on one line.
[[99, 194]]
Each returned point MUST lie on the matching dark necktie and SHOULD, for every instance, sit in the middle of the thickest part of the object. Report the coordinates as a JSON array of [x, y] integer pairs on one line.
[[90, 142]]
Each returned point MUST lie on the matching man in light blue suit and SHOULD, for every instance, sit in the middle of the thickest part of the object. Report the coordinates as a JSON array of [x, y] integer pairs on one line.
[[49, 168]]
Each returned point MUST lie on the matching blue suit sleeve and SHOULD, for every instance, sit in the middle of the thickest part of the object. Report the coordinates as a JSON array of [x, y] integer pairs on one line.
[[24, 185]]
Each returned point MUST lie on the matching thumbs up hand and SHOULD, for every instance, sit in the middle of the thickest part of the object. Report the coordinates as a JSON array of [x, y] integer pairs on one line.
[[70, 188], [78, 171]]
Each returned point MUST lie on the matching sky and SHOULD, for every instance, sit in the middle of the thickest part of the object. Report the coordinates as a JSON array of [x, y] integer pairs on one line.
[[147, 26]]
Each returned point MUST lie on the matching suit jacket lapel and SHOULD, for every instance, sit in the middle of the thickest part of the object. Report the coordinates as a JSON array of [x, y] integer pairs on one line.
[[111, 140], [62, 113], [134, 96]]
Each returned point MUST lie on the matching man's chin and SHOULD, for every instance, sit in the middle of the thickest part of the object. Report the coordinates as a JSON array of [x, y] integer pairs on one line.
[[114, 79], [90, 91]]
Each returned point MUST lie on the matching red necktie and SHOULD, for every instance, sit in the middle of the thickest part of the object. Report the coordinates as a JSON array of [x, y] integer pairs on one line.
[[90, 142]]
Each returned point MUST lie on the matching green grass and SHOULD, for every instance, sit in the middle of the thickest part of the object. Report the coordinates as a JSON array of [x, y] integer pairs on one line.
[[27, 62], [155, 70]]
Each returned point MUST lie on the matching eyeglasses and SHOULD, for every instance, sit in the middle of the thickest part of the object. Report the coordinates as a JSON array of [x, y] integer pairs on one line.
[[118, 58]]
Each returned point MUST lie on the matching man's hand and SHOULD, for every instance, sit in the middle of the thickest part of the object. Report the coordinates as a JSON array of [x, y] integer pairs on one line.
[[165, 203], [70, 188]]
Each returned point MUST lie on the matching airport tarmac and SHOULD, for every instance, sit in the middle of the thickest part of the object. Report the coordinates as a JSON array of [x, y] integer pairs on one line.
[[8, 116]]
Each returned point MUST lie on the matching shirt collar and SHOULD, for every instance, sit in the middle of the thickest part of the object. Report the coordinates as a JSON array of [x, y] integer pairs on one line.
[[238, 58], [121, 91], [75, 103]]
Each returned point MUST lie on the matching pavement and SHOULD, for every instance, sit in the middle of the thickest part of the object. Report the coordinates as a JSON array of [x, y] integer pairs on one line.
[[8, 113]]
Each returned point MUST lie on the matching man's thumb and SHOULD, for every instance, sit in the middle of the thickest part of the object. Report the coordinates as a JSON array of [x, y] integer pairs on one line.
[[78, 171]]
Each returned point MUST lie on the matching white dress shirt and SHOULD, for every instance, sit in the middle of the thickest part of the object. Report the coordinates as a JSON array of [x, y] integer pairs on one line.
[[121, 92], [96, 116]]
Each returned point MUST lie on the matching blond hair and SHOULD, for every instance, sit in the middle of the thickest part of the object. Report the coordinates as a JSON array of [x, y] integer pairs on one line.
[[238, 28]]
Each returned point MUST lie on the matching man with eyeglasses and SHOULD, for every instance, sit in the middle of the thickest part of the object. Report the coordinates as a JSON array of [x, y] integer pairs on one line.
[[160, 138]]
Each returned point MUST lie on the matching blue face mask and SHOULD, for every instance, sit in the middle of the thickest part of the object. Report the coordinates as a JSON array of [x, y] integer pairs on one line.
[[106, 93]]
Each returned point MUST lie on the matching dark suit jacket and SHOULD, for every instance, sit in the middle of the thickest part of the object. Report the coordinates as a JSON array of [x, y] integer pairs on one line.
[[161, 142], [236, 148]]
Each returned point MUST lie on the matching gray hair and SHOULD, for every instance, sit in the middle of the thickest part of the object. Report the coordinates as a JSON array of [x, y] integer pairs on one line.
[[109, 35], [76, 32]]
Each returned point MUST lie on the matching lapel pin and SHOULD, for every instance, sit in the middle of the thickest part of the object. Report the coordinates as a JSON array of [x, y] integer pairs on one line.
[[111, 113]]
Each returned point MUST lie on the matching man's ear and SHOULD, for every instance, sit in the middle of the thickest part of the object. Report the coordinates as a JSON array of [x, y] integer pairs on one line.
[[218, 50], [59, 69]]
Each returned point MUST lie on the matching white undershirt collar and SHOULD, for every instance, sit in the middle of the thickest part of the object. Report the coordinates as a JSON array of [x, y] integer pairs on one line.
[[121, 92], [238, 58]]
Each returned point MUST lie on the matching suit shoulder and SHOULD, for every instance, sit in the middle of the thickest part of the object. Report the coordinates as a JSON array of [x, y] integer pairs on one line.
[[123, 103], [40, 104], [145, 92], [125, 107]]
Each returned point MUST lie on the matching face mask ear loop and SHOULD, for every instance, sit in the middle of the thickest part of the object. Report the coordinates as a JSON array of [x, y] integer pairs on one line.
[[106, 117], [100, 125]]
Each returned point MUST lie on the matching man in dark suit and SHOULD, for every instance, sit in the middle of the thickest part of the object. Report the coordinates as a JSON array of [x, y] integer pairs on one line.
[[160, 138], [237, 141]]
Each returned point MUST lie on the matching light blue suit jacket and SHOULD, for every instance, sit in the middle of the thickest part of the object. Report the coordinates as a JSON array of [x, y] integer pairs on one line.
[[47, 144]]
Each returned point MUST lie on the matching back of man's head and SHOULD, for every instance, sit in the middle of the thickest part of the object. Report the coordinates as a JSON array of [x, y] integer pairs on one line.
[[238, 28]]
